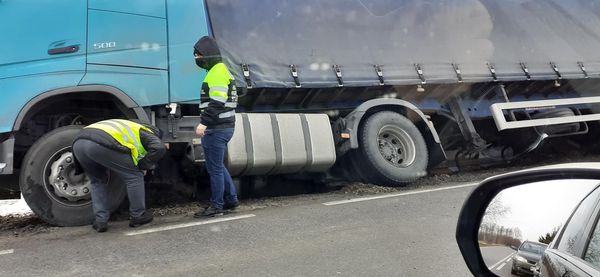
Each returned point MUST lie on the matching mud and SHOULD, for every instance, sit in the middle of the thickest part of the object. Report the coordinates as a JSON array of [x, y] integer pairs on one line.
[[23, 225]]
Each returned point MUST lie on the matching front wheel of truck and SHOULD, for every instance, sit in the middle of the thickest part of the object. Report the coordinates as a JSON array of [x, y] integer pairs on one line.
[[392, 150], [51, 187]]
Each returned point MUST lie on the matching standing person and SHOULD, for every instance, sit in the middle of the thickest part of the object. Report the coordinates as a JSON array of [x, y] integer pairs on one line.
[[218, 101], [125, 148]]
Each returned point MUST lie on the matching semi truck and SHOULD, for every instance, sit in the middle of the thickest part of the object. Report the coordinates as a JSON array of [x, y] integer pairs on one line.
[[376, 91]]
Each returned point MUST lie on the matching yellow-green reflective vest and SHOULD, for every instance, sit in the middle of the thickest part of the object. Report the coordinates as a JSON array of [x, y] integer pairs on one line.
[[126, 133], [220, 87]]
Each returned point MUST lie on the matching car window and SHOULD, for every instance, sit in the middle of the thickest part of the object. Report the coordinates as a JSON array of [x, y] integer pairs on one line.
[[592, 254], [575, 227], [533, 248]]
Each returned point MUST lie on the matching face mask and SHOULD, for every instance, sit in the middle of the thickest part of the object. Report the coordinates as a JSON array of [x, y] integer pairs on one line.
[[202, 63], [207, 62]]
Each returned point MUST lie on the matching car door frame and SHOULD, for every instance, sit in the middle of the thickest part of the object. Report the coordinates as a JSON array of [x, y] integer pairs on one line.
[[577, 260]]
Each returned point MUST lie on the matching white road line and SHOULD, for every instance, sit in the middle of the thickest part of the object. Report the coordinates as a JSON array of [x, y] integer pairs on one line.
[[9, 251], [502, 260], [500, 267], [185, 225], [508, 260], [333, 203]]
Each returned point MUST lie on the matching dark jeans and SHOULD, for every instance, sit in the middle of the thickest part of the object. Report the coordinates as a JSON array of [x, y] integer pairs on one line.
[[96, 160], [222, 188]]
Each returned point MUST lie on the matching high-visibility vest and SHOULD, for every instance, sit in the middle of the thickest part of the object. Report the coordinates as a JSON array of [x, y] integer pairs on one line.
[[126, 133], [221, 88]]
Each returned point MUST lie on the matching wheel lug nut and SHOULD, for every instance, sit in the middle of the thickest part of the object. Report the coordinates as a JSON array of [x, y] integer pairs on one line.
[[61, 168], [69, 160], [74, 192], [86, 190]]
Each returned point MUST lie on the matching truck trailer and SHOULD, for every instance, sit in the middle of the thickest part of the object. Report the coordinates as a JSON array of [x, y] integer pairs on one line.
[[376, 91]]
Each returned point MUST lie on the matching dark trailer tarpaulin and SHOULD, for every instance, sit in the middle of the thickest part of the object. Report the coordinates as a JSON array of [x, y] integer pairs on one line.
[[439, 36]]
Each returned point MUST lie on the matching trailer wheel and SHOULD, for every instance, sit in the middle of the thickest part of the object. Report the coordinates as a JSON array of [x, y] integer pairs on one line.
[[393, 150], [52, 189]]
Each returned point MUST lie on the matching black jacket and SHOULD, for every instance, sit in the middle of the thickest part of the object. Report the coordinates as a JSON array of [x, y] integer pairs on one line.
[[155, 148], [211, 55]]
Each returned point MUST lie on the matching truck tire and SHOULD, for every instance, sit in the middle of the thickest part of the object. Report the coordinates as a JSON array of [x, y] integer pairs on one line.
[[52, 189], [392, 150]]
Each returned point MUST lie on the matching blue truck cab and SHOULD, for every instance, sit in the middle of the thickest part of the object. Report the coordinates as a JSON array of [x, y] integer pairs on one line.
[[75, 62], [116, 54]]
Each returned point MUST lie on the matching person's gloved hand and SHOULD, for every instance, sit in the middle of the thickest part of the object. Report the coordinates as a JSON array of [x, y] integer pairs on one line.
[[144, 164]]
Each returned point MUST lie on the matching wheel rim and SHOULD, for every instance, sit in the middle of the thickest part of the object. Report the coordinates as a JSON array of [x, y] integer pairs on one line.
[[61, 182], [396, 146]]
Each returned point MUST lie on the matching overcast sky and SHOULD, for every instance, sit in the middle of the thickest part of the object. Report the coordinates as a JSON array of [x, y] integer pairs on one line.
[[537, 208]]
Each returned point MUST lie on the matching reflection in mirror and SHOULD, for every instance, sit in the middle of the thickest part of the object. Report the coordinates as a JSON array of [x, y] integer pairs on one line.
[[521, 221]]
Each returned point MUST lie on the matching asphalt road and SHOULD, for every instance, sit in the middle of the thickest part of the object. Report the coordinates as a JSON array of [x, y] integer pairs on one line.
[[498, 259], [406, 234]]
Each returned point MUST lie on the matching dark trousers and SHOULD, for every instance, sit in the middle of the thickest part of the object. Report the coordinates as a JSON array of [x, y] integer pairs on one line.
[[222, 188], [97, 160]]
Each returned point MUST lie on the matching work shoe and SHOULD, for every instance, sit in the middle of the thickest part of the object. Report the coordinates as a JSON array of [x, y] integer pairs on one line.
[[145, 218], [231, 206], [100, 227], [210, 211]]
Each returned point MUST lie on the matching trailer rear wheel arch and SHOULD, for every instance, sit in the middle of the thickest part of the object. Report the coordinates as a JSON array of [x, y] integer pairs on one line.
[[357, 117]]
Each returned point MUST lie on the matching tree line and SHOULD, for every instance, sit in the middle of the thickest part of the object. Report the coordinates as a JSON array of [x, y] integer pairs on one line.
[[492, 233]]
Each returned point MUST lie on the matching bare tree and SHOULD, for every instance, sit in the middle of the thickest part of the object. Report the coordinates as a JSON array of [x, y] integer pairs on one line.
[[492, 233], [495, 210]]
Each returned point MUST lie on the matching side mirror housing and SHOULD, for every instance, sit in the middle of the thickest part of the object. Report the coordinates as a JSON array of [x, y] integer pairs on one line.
[[578, 176]]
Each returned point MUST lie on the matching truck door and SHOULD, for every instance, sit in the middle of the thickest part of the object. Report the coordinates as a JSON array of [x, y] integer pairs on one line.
[[127, 42], [42, 37], [187, 23]]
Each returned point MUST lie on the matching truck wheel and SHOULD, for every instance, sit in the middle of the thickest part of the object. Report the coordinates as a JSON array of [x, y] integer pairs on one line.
[[52, 189], [392, 149]]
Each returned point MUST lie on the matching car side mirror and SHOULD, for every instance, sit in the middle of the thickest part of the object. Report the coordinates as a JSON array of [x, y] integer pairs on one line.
[[508, 221]]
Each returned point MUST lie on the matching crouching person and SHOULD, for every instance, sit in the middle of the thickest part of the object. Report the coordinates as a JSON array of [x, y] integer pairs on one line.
[[126, 149]]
